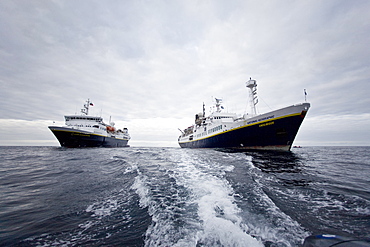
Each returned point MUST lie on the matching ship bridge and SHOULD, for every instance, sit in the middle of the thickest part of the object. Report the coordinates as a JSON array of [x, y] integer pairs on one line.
[[223, 116], [83, 118]]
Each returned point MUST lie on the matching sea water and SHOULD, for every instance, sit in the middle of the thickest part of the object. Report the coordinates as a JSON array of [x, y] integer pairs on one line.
[[52, 196]]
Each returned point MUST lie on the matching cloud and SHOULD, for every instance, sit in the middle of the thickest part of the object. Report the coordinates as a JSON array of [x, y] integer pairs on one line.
[[333, 130], [154, 60]]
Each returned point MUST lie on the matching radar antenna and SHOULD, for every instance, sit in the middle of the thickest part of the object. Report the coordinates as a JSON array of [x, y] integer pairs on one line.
[[253, 100], [218, 105], [85, 110]]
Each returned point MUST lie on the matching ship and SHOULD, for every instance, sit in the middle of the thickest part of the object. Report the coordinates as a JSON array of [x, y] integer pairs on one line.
[[89, 131], [274, 130]]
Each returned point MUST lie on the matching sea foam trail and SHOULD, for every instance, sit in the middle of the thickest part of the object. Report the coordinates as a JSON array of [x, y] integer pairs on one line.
[[199, 208], [181, 197]]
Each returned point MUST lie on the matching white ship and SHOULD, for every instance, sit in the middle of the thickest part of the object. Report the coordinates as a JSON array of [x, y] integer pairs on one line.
[[89, 131], [275, 130]]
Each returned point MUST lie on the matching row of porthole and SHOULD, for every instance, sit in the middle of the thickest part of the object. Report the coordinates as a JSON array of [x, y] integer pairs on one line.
[[89, 126], [215, 129]]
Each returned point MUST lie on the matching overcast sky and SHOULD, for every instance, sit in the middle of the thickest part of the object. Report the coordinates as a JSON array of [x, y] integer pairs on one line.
[[151, 64]]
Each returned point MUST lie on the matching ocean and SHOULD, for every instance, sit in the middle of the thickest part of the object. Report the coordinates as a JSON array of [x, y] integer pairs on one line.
[[137, 196]]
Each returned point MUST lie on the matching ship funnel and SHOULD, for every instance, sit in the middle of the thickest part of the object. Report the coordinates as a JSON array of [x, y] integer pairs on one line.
[[253, 100]]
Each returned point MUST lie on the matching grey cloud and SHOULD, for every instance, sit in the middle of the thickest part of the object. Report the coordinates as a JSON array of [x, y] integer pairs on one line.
[[150, 59]]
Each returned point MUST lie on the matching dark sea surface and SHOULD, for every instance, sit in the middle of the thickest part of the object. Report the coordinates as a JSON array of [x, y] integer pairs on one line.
[[52, 196]]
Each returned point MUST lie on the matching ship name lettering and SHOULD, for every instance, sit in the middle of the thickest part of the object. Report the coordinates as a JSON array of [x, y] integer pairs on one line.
[[266, 124], [76, 134], [266, 118], [261, 119]]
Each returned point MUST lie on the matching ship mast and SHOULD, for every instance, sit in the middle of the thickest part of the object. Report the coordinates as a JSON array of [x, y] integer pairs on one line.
[[218, 105], [253, 100], [85, 110]]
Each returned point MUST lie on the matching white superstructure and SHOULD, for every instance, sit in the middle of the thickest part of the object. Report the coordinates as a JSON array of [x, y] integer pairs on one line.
[[89, 131], [273, 130]]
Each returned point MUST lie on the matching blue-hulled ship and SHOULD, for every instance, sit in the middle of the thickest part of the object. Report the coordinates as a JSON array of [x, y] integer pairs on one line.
[[275, 130], [89, 131]]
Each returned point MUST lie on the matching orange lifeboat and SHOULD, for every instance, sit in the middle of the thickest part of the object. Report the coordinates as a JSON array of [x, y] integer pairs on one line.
[[110, 128]]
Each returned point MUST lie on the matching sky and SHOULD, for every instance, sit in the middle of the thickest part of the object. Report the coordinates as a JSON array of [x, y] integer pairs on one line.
[[150, 64]]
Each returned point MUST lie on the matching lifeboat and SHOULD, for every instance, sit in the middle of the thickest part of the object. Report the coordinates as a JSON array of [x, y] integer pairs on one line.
[[110, 128]]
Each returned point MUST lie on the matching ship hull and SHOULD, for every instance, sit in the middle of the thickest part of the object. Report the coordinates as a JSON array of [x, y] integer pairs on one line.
[[73, 138], [277, 133]]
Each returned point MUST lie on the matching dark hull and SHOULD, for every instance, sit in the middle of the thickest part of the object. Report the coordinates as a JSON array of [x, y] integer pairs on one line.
[[279, 135], [77, 138]]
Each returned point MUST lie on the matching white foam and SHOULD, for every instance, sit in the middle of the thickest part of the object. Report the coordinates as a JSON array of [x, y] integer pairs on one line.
[[274, 225], [220, 219], [211, 216], [103, 209], [217, 210], [86, 225], [142, 190], [130, 169]]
